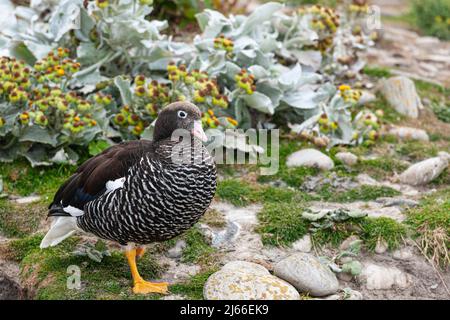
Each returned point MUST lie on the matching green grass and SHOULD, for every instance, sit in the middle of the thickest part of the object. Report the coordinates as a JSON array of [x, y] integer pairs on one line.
[[442, 111], [241, 193], [416, 150], [380, 168], [46, 272], [197, 250], [382, 229], [337, 233], [431, 222], [362, 193], [21, 179], [192, 288], [20, 248], [235, 191], [390, 115], [432, 17], [18, 221], [294, 177], [377, 72], [281, 223]]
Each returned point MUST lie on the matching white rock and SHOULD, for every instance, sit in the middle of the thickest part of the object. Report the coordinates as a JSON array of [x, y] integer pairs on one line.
[[307, 274], [381, 246], [241, 280], [408, 133], [403, 254], [26, 200], [347, 158], [345, 276], [401, 94], [303, 245], [347, 242], [378, 277], [364, 178], [425, 171], [366, 97], [177, 250], [310, 158]]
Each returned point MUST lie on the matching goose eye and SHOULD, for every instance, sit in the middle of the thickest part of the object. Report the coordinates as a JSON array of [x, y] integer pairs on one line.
[[182, 114]]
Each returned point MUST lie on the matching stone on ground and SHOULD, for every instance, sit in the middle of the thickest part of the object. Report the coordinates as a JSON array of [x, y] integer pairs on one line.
[[303, 245], [378, 277], [307, 274], [425, 171], [407, 133], [401, 94], [243, 280], [310, 158], [347, 158], [9, 290]]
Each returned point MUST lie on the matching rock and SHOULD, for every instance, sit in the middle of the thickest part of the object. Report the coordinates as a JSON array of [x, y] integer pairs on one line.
[[310, 158], [401, 94], [347, 158], [26, 200], [303, 245], [381, 246], [399, 202], [177, 250], [408, 133], [345, 276], [366, 97], [425, 171], [9, 290], [307, 274], [378, 277], [243, 280], [403, 254], [347, 242], [364, 178]]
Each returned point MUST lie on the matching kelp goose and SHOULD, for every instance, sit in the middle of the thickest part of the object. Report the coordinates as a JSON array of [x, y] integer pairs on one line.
[[141, 191]]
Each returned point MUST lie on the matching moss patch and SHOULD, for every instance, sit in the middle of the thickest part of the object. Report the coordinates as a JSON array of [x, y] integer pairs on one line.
[[213, 218], [362, 193], [336, 233], [416, 150], [431, 222], [193, 288], [377, 72], [20, 220], [281, 223], [381, 168], [46, 272], [235, 191], [382, 229], [19, 178], [197, 250]]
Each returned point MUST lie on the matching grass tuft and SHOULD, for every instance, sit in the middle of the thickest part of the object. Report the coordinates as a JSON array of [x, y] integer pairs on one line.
[[281, 223], [382, 229]]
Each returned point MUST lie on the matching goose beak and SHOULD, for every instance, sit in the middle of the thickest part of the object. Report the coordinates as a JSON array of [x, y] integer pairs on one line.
[[198, 131]]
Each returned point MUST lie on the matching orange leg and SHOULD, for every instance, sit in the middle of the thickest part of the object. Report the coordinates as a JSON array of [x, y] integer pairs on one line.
[[140, 285], [140, 252]]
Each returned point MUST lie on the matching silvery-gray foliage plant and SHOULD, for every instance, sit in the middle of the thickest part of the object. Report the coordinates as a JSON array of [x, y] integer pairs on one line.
[[257, 71]]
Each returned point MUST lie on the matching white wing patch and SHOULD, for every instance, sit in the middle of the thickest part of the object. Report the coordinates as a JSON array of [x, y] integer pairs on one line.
[[115, 184], [74, 212], [62, 228]]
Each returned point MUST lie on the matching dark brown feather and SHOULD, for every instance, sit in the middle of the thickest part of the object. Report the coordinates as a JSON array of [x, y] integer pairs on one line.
[[90, 179]]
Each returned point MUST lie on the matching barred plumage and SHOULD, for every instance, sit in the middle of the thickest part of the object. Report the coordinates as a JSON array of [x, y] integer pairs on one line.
[[139, 192], [158, 201]]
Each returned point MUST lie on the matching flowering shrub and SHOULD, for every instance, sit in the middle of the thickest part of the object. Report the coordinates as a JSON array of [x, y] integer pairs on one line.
[[113, 71], [38, 114]]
